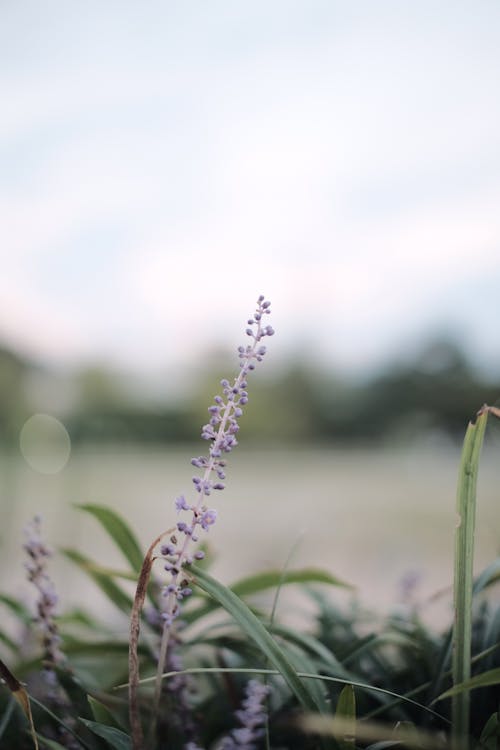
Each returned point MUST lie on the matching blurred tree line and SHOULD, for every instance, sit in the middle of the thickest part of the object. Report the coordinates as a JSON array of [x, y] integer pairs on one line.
[[439, 390]]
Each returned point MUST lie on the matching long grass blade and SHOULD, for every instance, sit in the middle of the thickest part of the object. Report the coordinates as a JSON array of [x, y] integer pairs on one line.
[[485, 679], [305, 675], [253, 627], [119, 531], [105, 583], [462, 585]]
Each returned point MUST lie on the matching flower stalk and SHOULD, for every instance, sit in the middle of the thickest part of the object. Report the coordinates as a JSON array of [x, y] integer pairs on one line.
[[221, 430]]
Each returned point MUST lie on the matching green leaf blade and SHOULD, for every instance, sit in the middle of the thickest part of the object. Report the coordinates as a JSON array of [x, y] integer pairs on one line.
[[114, 593], [115, 738], [250, 624], [119, 531]]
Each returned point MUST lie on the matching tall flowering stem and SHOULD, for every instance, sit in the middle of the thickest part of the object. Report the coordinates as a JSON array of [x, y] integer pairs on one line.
[[221, 430], [36, 566]]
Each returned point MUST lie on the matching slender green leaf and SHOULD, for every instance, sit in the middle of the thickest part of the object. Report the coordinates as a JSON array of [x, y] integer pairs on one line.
[[271, 578], [50, 744], [115, 738], [309, 676], [75, 692], [6, 716], [491, 732], [61, 723], [489, 576], [120, 533], [463, 578], [18, 609], [101, 713], [122, 600], [266, 580], [346, 710], [309, 643], [486, 679], [258, 633], [303, 664], [7, 640]]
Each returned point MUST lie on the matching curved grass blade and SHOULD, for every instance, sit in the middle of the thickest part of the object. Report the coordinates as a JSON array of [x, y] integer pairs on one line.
[[18, 609], [115, 738], [4, 722], [119, 531], [258, 633], [269, 579], [50, 744], [101, 713], [61, 723], [489, 576], [305, 675], [491, 733], [311, 644], [486, 679], [7, 641], [122, 600]]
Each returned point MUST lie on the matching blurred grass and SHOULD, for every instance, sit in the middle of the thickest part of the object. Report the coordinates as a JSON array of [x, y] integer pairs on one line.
[[395, 506]]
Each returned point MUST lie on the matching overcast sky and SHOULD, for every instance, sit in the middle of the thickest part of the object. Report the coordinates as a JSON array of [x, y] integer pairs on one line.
[[163, 163]]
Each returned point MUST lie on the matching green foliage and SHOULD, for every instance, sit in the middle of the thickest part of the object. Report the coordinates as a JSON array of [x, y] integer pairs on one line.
[[438, 390], [351, 680]]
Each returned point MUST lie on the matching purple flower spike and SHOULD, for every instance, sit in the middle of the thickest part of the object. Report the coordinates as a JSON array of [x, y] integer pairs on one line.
[[38, 555], [221, 431], [252, 717]]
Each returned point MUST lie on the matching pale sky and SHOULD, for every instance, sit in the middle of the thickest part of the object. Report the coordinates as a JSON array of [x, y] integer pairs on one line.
[[164, 163]]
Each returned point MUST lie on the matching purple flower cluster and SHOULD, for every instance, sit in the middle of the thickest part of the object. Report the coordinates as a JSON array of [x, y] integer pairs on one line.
[[252, 717], [38, 554], [221, 431]]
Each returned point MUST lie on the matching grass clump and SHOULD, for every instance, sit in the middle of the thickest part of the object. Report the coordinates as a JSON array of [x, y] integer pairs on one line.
[[202, 666]]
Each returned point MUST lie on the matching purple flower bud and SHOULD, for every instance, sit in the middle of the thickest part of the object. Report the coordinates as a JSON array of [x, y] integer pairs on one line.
[[168, 549], [208, 519], [181, 503]]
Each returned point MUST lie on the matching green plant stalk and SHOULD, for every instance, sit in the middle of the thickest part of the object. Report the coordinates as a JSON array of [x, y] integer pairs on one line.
[[462, 585]]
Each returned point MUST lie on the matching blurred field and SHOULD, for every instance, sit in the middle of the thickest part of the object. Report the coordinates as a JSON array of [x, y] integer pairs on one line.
[[369, 517]]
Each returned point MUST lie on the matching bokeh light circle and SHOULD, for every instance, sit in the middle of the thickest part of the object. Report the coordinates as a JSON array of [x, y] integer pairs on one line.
[[45, 444]]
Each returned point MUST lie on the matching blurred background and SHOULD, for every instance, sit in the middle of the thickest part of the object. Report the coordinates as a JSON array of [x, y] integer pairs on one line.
[[163, 164]]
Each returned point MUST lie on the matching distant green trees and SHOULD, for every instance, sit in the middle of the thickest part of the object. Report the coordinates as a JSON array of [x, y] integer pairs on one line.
[[438, 390]]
